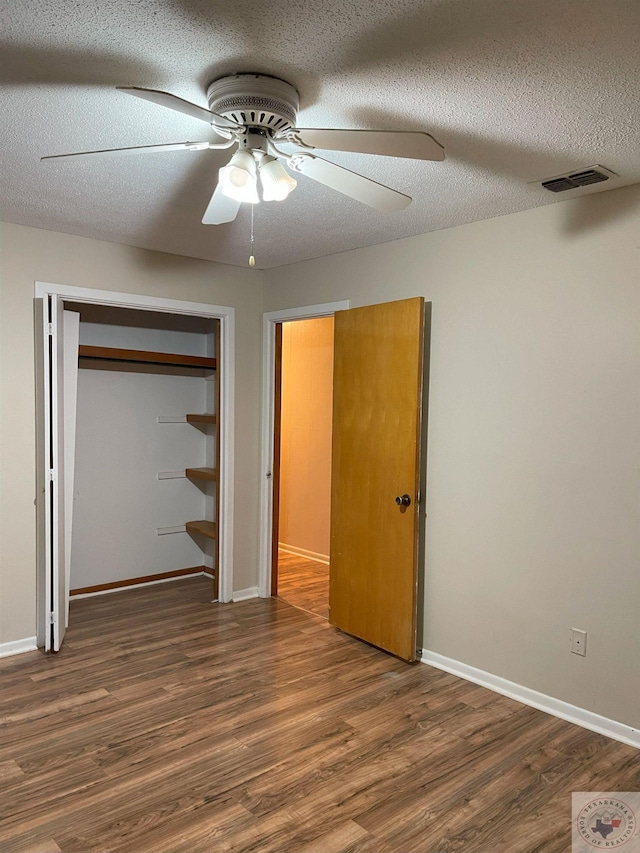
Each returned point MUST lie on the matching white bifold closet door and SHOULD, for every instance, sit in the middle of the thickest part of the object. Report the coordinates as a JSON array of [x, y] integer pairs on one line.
[[71, 337], [60, 350]]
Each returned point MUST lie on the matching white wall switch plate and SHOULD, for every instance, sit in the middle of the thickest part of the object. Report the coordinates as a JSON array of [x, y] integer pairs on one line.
[[578, 642]]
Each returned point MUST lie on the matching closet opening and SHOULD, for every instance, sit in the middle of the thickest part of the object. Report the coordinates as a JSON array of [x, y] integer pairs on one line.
[[302, 463], [135, 421]]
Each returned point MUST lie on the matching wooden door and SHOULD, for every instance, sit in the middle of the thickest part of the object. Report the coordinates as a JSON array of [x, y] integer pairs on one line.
[[377, 407]]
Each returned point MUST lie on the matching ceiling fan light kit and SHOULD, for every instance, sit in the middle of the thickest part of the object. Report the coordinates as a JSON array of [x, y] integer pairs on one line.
[[258, 113], [277, 183], [239, 179]]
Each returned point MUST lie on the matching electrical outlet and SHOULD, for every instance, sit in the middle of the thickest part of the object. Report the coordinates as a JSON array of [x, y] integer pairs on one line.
[[578, 642]]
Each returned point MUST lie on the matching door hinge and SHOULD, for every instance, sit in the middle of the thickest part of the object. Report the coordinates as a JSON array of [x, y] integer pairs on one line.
[[52, 618], [50, 329], [419, 498], [51, 475]]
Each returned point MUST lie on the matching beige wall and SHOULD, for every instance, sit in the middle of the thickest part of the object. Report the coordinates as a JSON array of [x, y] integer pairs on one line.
[[532, 495], [27, 255], [305, 465]]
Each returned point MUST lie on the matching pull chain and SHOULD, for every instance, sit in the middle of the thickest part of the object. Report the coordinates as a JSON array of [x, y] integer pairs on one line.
[[252, 260]]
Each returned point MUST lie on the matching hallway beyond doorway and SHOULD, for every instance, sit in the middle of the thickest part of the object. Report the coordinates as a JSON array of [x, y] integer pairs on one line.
[[303, 583]]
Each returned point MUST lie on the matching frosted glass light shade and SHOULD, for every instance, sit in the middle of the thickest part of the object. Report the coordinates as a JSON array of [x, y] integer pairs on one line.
[[238, 179], [277, 183]]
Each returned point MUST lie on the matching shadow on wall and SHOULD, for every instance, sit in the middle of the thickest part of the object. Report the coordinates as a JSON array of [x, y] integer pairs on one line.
[[154, 259], [599, 210]]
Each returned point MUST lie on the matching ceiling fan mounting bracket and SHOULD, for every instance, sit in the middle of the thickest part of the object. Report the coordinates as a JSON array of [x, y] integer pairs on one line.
[[256, 101]]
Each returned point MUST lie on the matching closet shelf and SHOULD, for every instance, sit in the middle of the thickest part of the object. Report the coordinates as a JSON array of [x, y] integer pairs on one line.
[[144, 357], [201, 473], [206, 528], [201, 419]]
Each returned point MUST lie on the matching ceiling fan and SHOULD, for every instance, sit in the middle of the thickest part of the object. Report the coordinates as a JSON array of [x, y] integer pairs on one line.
[[258, 113]]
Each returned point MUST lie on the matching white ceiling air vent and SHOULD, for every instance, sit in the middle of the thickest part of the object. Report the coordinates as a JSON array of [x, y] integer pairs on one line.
[[580, 179]]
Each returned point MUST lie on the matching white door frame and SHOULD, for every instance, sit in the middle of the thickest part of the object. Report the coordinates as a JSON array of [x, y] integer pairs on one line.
[[226, 316], [269, 322]]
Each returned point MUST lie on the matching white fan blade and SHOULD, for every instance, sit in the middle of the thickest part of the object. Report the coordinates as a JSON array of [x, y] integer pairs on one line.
[[349, 183], [173, 102], [415, 145], [220, 209], [145, 149]]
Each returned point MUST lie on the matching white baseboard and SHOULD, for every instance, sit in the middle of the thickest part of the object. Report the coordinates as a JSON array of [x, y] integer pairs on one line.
[[302, 552], [555, 707], [17, 647], [244, 594]]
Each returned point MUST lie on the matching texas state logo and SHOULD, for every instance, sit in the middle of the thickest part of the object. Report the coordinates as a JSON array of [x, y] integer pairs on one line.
[[605, 822]]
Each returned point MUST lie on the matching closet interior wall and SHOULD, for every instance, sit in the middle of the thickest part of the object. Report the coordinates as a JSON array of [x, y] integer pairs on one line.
[[134, 446]]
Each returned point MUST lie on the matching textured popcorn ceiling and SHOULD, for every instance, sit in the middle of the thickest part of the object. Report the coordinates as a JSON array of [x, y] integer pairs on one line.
[[515, 90]]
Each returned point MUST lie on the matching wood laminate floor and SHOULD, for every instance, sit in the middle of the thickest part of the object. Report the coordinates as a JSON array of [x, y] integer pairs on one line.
[[170, 724], [304, 583]]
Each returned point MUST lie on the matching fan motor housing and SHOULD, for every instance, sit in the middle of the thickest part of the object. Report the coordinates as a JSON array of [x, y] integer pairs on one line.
[[255, 100]]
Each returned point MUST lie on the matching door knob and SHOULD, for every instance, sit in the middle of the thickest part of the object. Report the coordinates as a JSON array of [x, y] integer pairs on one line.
[[405, 500]]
